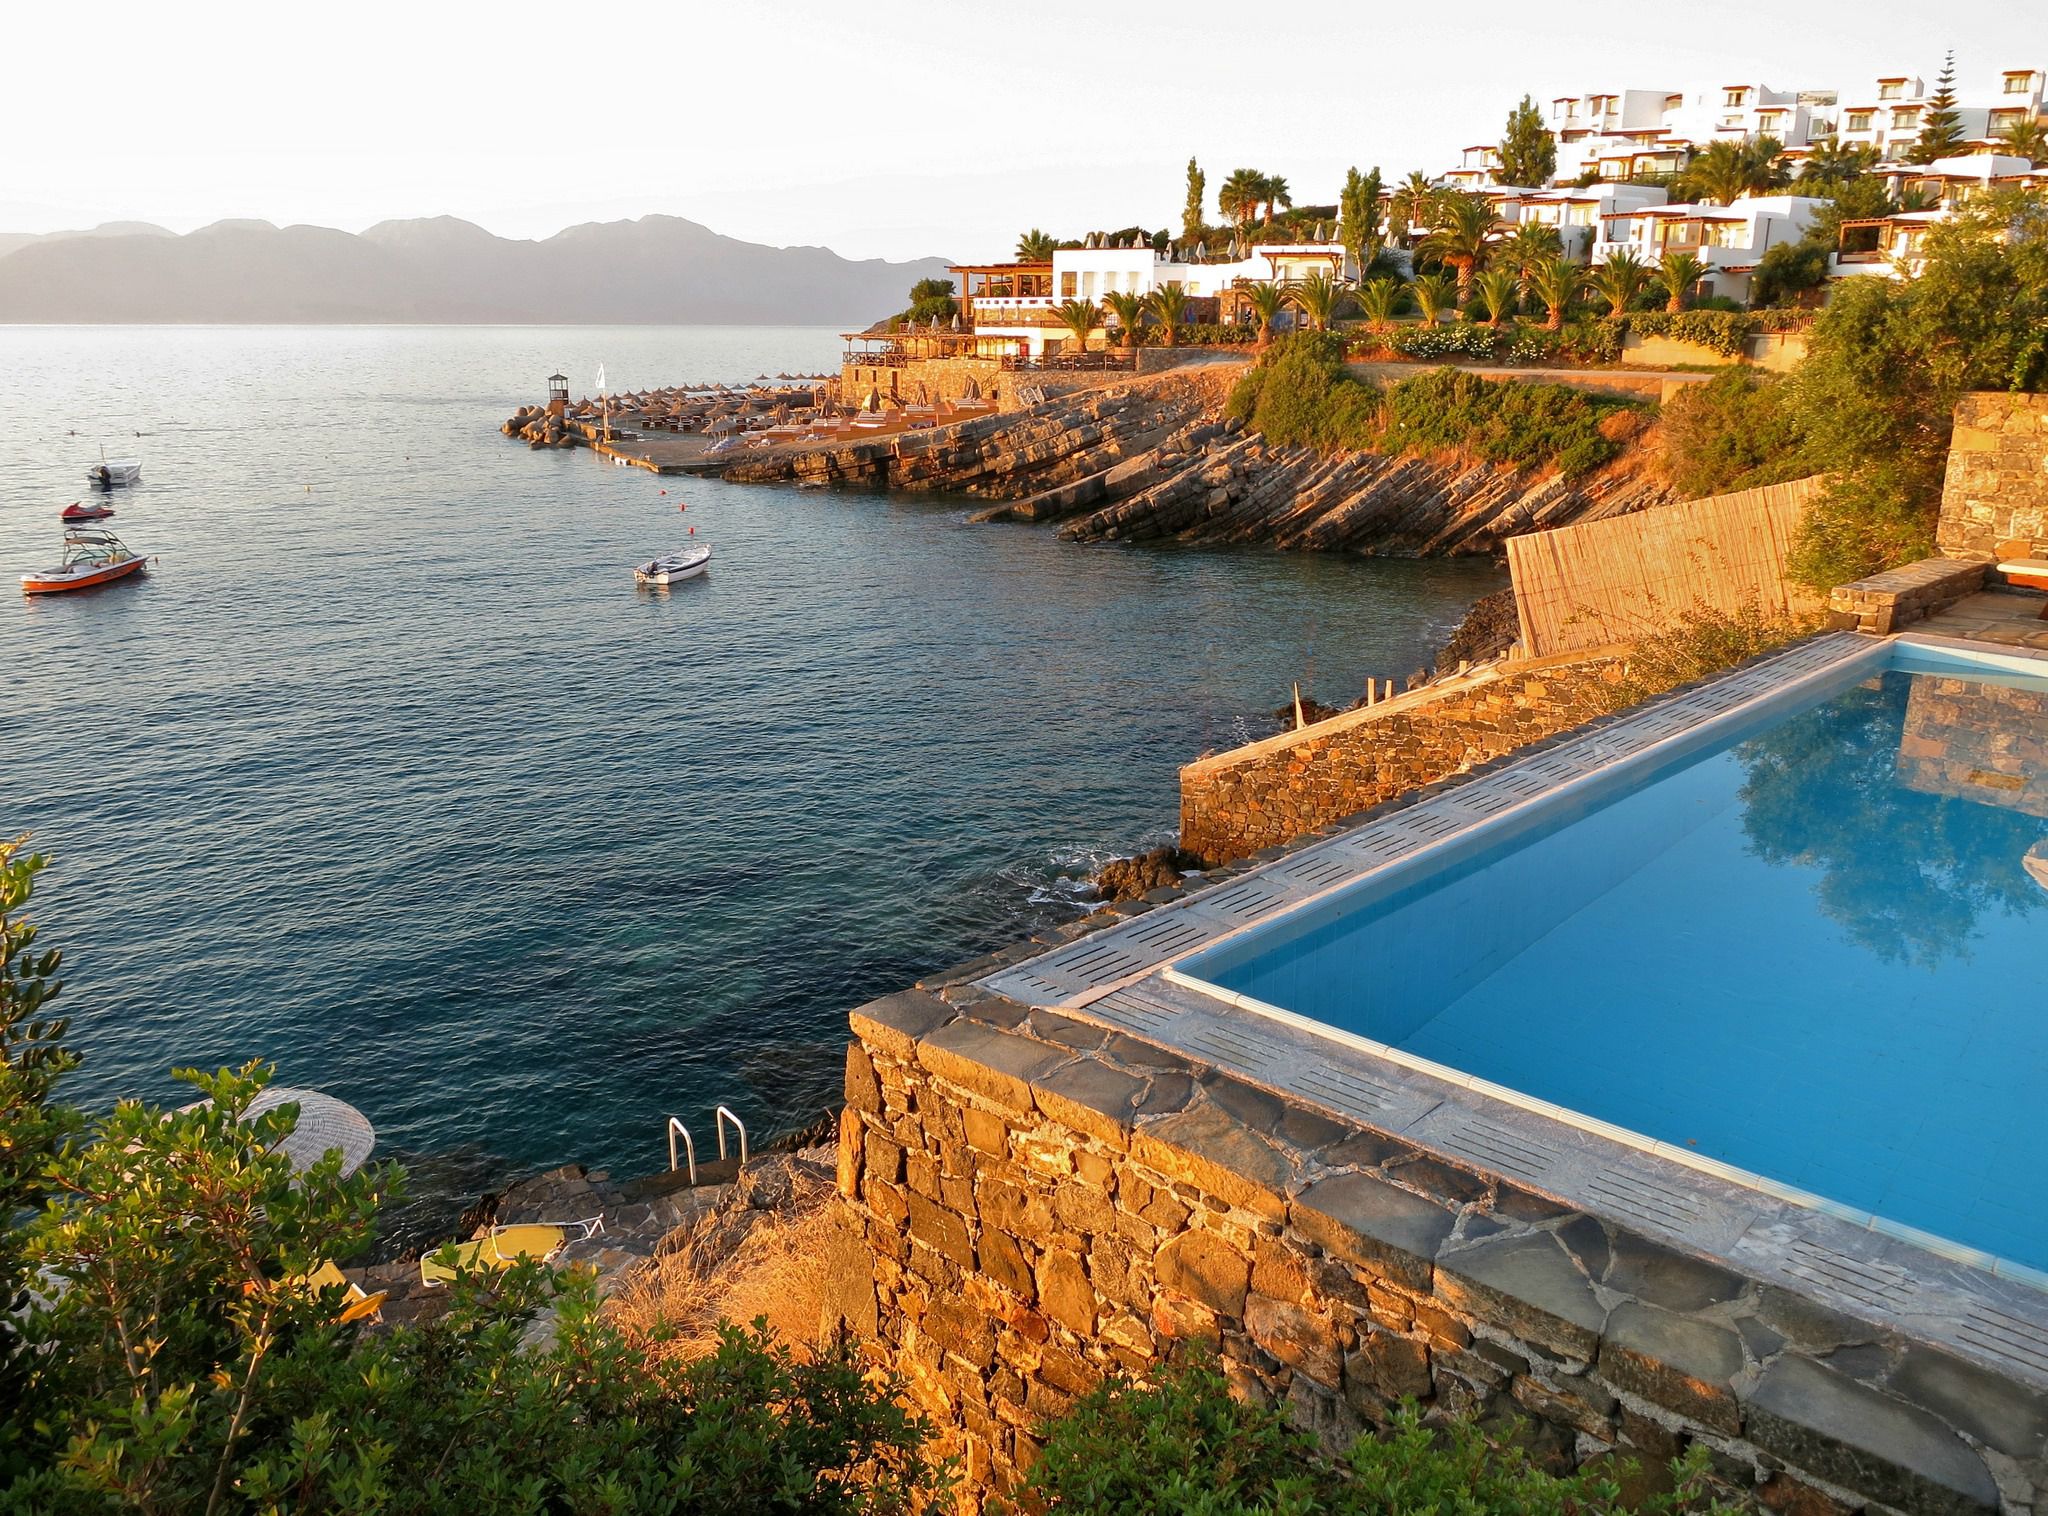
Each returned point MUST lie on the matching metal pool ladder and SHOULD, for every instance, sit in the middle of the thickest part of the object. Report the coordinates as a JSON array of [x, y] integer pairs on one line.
[[720, 1118]]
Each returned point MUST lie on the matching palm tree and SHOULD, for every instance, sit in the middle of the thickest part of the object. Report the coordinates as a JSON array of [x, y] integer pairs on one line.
[[1274, 191], [1129, 307], [1079, 317], [1413, 206], [1557, 282], [2026, 138], [1498, 291], [1834, 163], [1380, 298], [1727, 171], [1170, 304], [1241, 195], [1676, 274], [1462, 235], [1620, 279], [1434, 293], [1268, 300], [1035, 247], [1319, 296], [1529, 244]]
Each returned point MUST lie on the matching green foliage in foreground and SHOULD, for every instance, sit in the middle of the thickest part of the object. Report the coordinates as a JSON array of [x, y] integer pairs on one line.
[[1183, 1447], [1702, 641], [1303, 397], [169, 1361]]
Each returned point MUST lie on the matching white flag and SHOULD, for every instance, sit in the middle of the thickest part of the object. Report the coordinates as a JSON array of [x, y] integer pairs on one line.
[[600, 378]]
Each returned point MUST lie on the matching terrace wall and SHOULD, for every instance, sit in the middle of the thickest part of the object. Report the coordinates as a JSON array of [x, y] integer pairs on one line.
[[1033, 1202], [1235, 803], [1994, 502]]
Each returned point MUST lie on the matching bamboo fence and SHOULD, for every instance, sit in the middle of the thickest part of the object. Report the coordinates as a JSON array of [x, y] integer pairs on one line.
[[1607, 582]]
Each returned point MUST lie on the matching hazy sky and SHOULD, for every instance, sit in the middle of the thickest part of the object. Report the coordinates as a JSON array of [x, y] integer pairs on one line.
[[877, 127]]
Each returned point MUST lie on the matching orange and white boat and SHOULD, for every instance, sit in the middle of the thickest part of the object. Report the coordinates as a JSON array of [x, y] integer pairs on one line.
[[90, 557]]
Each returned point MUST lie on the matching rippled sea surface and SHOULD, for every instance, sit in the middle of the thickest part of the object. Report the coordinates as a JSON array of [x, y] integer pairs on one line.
[[389, 774]]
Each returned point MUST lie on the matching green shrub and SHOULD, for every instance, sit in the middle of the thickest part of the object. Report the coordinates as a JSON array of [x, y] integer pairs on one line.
[[1724, 331], [1702, 641], [1735, 432], [1460, 339], [1595, 341], [1301, 396], [1183, 1447], [171, 1361], [1502, 422]]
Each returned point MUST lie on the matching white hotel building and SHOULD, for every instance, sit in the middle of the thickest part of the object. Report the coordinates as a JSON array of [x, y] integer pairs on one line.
[[1623, 134]]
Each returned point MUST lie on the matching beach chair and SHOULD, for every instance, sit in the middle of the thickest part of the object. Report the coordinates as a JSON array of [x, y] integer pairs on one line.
[[504, 1246], [356, 1304], [2028, 574]]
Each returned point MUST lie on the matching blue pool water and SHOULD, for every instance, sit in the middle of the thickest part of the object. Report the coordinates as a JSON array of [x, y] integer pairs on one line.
[[1814, 952]]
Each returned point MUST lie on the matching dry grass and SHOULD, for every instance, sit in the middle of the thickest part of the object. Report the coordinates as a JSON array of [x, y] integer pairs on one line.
[[734, 1265]]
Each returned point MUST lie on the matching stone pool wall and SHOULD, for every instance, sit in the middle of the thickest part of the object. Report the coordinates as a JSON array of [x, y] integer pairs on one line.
[[1236, 803], [1994, 502], [1976, 741], [1035, 1201]]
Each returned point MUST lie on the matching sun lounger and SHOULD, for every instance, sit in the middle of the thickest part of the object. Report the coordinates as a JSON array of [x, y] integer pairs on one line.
[[2028, 574], [504, 1246]]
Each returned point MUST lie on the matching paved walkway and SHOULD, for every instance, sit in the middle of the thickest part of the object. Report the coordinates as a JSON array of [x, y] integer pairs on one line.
[[2010, 617]]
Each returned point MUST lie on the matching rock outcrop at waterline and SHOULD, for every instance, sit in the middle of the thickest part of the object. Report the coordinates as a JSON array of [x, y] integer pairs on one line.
[[1153, 460], [1240, 490]]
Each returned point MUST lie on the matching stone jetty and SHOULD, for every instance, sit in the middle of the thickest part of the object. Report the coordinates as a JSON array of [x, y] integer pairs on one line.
[[706, 410]]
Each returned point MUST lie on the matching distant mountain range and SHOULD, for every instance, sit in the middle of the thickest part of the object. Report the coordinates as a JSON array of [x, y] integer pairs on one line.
[[657, 269]]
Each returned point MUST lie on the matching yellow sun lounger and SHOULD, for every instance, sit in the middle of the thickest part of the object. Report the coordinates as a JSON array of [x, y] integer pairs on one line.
[[505, 1246], [355, 1303]]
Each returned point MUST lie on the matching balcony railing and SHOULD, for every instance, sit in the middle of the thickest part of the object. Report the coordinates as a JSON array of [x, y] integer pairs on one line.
[[884, 359], [1072, 362]]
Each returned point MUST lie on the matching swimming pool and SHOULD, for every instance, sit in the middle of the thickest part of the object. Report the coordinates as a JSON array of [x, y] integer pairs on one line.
[[1803, 949]]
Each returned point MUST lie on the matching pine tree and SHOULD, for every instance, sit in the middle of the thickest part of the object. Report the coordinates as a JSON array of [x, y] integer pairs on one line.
[[1358, 213], [1941, 130], [1192, 214], [1528, 153]]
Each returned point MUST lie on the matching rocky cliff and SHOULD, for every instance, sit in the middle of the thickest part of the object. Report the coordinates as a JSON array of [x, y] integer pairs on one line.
[[1152, 459]]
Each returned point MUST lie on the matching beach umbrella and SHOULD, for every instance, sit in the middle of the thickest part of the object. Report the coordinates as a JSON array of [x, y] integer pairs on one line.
[[325, 1125]]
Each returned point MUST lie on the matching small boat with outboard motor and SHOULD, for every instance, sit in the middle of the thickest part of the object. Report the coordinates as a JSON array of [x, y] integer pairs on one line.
[[77, 513], [672, 568], [109, 472], [90, 557]]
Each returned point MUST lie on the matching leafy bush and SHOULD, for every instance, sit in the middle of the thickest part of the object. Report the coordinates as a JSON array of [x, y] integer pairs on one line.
[[1724, 331], [1597, 341], [1502, 422], [1214, 333], [1735, 432], [1183, 1447], [1302, 397], [173, 1359], [1702, 641], [1461, 339]]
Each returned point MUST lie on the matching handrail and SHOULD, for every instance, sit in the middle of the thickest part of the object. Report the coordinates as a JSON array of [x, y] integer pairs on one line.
[[675, 1126], [724, 1115]]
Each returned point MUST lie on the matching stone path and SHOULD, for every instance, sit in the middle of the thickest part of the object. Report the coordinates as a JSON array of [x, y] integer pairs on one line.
[[2007, 617]]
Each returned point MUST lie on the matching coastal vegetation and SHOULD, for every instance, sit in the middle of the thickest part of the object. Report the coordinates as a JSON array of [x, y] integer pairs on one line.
[[1871, 403], [1304, 397], [163, 1348], [1182, 1445]]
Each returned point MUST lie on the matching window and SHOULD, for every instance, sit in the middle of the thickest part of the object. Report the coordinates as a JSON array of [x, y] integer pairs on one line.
[[1859, 121], [2000, 120], [2019, 84], [1906, 115], [1769, 120], [1736, 97], [1891, 89], [1069, 285]]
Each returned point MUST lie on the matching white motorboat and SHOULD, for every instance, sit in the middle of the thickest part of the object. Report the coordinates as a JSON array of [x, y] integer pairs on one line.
[[671, 568], [109, 472]]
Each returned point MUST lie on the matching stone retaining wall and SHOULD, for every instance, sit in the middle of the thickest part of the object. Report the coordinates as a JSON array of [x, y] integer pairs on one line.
[[1034, 1202], [1994, 502], [1235, 803], [1888, 602]]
